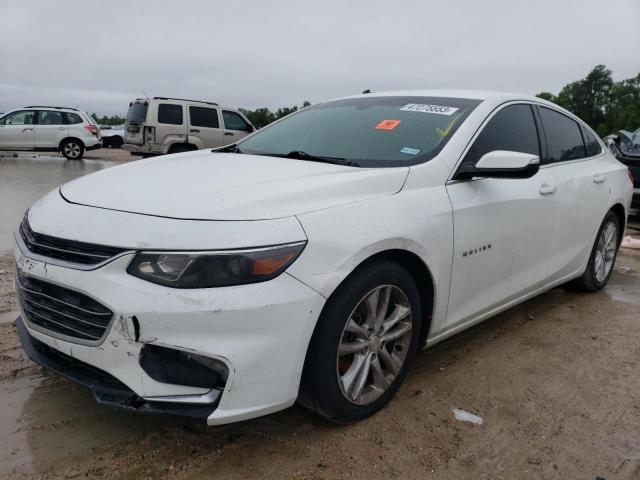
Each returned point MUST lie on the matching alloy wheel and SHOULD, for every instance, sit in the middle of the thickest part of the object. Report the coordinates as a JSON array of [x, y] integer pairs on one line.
[[72, 150], [606, 251], [374, 344]]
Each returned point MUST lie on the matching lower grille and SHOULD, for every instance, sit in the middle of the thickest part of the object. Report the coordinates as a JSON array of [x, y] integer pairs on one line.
[[61, 310]]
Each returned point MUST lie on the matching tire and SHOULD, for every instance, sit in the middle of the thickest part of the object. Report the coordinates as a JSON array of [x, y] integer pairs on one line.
[[180, 148], [602, 258], [72, 149], [116, 142], [326, 387]]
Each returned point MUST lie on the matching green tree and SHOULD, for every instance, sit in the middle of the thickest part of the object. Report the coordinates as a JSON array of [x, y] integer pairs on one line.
[[605, 105], [263, 116]]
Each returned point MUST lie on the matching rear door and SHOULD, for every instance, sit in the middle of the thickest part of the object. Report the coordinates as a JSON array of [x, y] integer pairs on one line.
[[134, 126], [16, 130], [172, 124], [579, 172], [50, 128], [502, 226], [204, 127], [235, 127]]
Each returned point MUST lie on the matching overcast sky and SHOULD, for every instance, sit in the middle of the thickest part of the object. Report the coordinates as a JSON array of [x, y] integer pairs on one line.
[[101, 55]]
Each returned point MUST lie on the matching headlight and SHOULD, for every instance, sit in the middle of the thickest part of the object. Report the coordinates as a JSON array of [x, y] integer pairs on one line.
[[214, 269]]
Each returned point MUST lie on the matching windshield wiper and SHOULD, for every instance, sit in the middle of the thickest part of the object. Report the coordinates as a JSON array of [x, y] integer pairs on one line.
[[300, 155], [233, 148]]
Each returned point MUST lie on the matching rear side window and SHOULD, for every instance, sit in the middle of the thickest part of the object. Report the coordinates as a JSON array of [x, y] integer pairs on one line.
[[170, 114], [564, 140], [24, 117], [233, 121], [591, 143], [49, 118], [72, 119], [513, 129], [204, 117]]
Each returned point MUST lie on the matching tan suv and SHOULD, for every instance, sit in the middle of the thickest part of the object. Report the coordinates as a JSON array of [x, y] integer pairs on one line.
[[160, 125]]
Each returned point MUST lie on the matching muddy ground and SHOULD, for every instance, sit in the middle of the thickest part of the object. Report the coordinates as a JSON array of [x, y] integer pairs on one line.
[[555, 380]]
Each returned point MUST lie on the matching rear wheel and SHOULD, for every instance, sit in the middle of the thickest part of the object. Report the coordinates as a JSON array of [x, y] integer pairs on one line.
[[72, 149], [365, 339], [603, 256], [116, 142]]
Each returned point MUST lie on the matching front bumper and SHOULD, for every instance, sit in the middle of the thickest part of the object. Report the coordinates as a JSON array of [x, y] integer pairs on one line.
[[259, 331], [106, 389]]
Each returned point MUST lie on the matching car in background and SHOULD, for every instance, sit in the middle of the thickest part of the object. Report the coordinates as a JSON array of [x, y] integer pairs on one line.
[[625, 146], [43, 128], [112, 136], [160, 125]]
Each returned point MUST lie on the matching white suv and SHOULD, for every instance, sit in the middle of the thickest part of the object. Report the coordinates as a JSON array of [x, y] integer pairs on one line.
[[67, 130], [160, 125]]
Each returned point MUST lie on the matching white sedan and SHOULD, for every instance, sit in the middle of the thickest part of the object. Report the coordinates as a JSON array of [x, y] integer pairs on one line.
[[311, 260]]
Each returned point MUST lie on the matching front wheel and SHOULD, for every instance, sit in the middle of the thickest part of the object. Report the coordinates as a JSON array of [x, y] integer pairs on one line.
[[362, 346], [603, 256], [72, 149]]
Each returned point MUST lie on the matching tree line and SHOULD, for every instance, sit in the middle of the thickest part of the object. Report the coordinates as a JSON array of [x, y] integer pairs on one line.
[[605, 105]]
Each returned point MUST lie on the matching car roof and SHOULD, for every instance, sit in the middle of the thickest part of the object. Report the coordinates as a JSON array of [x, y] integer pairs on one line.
[[51, 107], [455, 93]]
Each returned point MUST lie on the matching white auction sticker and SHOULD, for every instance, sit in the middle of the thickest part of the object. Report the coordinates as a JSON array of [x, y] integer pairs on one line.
[[421, 107]]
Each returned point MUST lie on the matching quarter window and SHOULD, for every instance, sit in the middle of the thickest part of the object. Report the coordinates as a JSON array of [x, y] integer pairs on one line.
[[73, 119], [564, 140], [512, 129], [204, 117], [233, 121], [170, 114], [49, 118], [24, 117], [591, 143]]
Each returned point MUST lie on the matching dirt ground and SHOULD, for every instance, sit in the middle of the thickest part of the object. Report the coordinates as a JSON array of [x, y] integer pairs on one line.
[[554, 379]]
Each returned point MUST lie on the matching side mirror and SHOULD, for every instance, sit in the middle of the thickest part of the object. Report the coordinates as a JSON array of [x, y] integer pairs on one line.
[[503, 164]]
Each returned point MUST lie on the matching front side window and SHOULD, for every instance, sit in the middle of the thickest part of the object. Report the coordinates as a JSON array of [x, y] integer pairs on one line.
[[233, 121], [23, 117], [512, 129], [366, 131], [170, 114], [46, 117], [204, 117], [564, 139]]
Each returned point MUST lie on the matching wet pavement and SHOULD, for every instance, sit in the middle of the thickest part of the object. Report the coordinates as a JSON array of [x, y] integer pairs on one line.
[[26, 178], [554, 379]]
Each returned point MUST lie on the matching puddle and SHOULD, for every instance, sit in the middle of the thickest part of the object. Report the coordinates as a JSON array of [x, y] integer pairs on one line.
[[25, 179], [624, 287], [45, 419]]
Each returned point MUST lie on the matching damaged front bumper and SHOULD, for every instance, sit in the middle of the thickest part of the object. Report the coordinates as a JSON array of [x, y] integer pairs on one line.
[[260, 332], [106, 388]]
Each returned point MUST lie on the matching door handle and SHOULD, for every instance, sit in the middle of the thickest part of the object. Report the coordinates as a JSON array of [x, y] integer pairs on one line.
[[598, 178], [194, 130], [26, 129], [228, 133], [61, 128], [546, 189]]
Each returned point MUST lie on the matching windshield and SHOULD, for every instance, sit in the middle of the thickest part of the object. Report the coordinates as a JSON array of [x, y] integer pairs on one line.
[[368, 131], [137, 112]]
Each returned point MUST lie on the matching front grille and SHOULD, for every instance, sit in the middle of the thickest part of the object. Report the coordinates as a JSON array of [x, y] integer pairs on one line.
[[69, 250], [61, 310]]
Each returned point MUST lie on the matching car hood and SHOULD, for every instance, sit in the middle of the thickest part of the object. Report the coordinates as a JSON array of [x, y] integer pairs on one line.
[[226, 186]]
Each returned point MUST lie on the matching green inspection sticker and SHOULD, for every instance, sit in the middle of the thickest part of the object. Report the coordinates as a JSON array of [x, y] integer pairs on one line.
[[410, 151]]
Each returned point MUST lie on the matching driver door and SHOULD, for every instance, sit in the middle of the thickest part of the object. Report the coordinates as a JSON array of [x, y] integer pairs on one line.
[[16, 130], [503, 227]]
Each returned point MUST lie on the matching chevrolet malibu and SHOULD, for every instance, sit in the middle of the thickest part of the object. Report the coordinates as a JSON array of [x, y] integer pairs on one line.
[[311, 260]]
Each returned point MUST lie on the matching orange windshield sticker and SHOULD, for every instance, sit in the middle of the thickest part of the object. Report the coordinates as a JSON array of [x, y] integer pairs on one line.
[[387, 124]]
